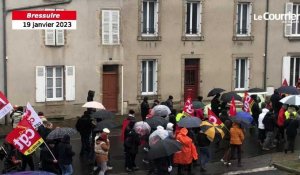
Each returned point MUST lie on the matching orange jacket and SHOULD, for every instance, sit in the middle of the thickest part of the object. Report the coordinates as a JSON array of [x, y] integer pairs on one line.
[[236, 135], [188, 150]]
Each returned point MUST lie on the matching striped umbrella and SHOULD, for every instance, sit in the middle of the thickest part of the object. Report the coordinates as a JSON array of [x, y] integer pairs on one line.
[[211, 130]]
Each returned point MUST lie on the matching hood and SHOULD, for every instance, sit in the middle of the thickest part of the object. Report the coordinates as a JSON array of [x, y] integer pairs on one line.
[[235, 125], [183, 131], [265, 110]]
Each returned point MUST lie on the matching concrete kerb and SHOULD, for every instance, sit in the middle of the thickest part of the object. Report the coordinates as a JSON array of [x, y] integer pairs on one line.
[[285, 168]]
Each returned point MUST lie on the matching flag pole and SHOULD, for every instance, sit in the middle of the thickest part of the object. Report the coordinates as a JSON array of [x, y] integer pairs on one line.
[[49, 150]]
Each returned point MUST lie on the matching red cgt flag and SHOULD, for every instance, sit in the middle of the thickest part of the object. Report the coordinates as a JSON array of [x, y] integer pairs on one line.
[[232, 110], [213, 118], [188, 108], [284, 83], [5, 106], [24, 138], [247, 102]]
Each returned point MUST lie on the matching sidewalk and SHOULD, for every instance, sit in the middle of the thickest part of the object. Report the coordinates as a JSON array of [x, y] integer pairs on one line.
[[288, 162]]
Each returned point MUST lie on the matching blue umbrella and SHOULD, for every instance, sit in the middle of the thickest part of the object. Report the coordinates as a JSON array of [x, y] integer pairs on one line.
[[243, 118], [31, 173]]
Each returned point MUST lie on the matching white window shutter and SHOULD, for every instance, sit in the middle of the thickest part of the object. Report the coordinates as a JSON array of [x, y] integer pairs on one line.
[[115, 21], [105, 27], [288, 22], [50, 37], [286, 68], [70, 83], [248, 73], [250, 19], [142, 15], [156, 16], [40, 83], [60, 37], [155, 76]]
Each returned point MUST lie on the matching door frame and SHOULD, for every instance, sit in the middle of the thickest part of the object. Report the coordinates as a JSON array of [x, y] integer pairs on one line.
[[117, 72]]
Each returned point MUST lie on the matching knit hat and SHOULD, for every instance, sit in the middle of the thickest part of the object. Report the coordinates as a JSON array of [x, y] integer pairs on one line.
[[160, 128], [170, 126], [106, 130]]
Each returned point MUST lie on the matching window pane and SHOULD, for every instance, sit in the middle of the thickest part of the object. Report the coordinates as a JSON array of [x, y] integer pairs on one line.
[[49, 72], [237, 73], [239, 19], [194, 18], [58, 82], [50, 93], [151, 17], [58, 92], [145, 17], [244, 19], [49, 82], [58, 72], [144, 76], [150, 76], [294, 21], [243, 73], [188, 12], [292, 71], [298, 22], [297, 71]]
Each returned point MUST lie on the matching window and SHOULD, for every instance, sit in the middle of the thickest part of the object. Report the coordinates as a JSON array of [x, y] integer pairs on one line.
[[149, 18], [291, 69], [53, 83], [243, 19], [296, 23], [193, 18], [241, 73], [110, 27], [149, 77], [54, 37]]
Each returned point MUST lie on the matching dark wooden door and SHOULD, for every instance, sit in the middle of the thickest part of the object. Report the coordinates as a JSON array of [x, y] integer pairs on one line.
[[110, 87], [191, 78]]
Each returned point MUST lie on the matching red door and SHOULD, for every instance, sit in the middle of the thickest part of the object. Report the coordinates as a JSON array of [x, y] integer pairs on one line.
[[110, 87], [191, 78]]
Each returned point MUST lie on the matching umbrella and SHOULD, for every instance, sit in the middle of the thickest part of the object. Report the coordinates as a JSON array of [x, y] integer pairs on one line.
[[161, 110], [189, 122], [256, 90], [215, 91], [103, 114], [58, 133], [156, 121], [288, 90], [243, 118], [31, 173], [93, 104], [142, 128], [291, 100], [105, 124], [198, 105], [211, 130], [226, 97], [164, 148], [159, 134]]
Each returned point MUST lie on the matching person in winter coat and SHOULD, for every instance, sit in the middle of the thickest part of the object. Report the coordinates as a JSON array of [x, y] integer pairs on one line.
[[17, 116], [225, 142], [65, 156], [131, 145], [203, 143], [261, 126], [84, 126], [48, 163], [102, 146], [144, 108], [163, 165], [188, 152], [126, 121], [280, 121], [255, 109], [291, 125], [169, 102], [170, 129], [269, 123], [236, 141], [275, 100], [216, 105]]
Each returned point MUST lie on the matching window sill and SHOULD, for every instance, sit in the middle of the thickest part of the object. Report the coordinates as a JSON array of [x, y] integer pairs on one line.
[[192, 38], [54, 45], [243, 38], [149, 38], [293, 38], [150, 97]]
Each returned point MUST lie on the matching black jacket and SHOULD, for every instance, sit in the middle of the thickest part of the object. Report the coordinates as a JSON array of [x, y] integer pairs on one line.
[[255, 110], [47, 161], [215, 106], [291, 127], [84, 125], [203, 140], [131, 141], [65, 152], [269, 122], [144, 108], [276, 104]]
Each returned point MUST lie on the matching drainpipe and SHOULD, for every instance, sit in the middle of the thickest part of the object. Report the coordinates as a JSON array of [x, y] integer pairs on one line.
[[122, 90], [266, 47], [5, 12]]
